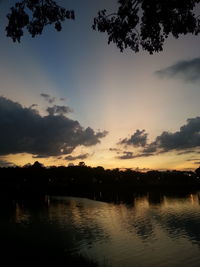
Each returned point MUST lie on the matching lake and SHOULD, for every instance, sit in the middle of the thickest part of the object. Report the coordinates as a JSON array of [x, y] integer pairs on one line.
[[150, 229]]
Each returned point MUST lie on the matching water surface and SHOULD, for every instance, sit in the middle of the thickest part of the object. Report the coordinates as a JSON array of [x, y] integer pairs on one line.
[[149, 230]]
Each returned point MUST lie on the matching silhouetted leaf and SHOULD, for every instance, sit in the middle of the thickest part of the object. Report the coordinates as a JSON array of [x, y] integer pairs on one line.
[[34, 15], [147, 24]]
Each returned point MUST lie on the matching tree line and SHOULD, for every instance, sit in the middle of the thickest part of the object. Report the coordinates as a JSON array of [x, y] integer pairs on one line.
[[80, 179]]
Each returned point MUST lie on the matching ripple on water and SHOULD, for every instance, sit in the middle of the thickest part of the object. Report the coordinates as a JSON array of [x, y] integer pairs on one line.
[[145, 233]]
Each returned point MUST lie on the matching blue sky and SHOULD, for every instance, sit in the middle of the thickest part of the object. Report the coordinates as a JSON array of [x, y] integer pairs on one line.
[[107, 90]]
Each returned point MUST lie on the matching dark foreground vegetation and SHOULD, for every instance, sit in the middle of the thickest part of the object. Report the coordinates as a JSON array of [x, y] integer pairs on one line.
[[82, 179]]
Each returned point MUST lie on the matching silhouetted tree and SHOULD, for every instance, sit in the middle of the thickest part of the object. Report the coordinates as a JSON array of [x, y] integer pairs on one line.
[[197, 171], [81, 164], [34, 15], [137, 23], [37, 165], [147, 23], [81, 179]]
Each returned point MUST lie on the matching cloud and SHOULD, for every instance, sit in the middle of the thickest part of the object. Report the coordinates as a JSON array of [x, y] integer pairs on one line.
[[39, 156], [33, 106], [48, 98], [5, 163], [117, 150], [139, 138], [144, 154], [150, 148], [184, 141], [58, 110], [81, 157], [193, 159], [113, 149], [24, 130], [188, 70], [187, 152], [126, 155], [130, 155], [186, 138]]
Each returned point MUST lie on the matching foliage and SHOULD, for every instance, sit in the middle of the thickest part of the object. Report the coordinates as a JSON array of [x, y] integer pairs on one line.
[[147, 24], [137, 23], [34, 15], [82, 179]]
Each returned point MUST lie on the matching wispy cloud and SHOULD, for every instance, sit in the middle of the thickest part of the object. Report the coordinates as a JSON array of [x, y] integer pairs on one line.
[[131, 155], [5, 163], [48, 98], [188, 70], [80, 157], [126, 155]]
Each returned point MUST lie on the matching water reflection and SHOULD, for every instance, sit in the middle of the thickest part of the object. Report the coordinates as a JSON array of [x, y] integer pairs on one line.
[[152, 229]]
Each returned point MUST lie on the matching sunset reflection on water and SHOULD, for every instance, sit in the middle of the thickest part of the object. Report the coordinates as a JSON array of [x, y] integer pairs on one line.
[[148, 230]]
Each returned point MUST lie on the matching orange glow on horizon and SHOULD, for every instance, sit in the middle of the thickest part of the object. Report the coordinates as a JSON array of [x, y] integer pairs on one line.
[[169, 161]]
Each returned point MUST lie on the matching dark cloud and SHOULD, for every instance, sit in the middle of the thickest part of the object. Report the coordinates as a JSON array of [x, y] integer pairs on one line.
[[58, 110], [5, 163], [193, 159], [117, 150], [187, 152], [131, 155], [33, 106], [48, 98], [188, 70], [25, 130], [39, 157], [150, 148], [81, 157], [197, 162], [62, 99], [113, 149], [144, 154], [187, 137], [139, 138], [126, 155], [184, 141]]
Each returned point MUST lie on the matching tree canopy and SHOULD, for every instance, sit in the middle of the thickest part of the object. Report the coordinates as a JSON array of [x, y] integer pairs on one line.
[[148, 23], [34, 15], [136, 24]]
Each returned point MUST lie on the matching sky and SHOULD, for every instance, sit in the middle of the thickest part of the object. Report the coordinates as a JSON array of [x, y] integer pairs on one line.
[[68, 96]]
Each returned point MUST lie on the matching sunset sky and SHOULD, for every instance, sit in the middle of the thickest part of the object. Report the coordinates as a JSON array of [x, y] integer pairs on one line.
[[68, 97]]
